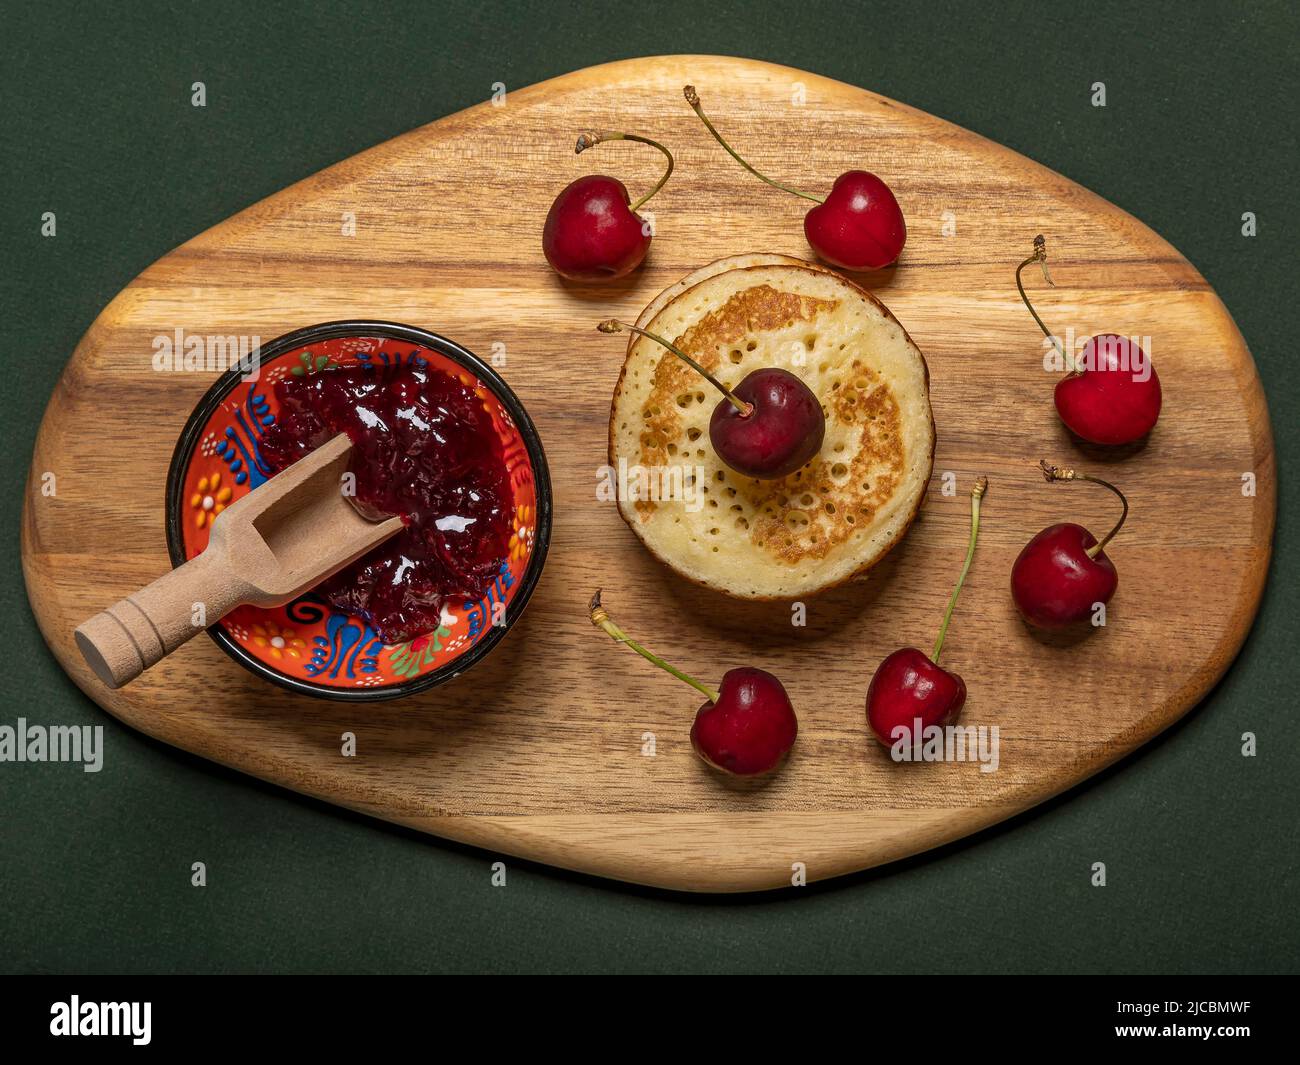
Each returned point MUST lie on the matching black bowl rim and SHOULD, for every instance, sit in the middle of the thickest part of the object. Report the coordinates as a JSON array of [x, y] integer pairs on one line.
[[361, 328]]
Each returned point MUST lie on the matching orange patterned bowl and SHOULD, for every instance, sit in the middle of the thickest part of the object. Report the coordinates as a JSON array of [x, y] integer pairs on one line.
[[309, 645]]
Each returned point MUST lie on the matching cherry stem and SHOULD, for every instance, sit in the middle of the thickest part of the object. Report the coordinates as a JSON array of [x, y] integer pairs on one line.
[[592, 137], [692, 98], [1057, 473], [602, 620], [1040, 257], [613, 325], [976, 494]]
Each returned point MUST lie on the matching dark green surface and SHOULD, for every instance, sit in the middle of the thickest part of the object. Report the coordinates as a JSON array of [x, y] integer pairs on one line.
[[1201, 844]]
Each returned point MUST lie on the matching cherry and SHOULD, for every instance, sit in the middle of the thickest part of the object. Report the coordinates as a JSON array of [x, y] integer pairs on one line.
[[1063, 572], [1111, 393], [592, 230], [859, 226], [782, 431], [766, 427], [745, 728], [909, 687], [749, 727]]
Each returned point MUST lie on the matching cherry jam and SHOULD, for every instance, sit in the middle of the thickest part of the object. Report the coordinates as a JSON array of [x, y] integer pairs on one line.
[[424, 448]]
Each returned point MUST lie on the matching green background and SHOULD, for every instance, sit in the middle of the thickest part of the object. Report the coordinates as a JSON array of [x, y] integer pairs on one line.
[[1200, 843]]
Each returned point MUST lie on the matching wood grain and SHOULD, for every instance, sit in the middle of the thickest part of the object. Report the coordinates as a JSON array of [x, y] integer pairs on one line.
[[537, 752]]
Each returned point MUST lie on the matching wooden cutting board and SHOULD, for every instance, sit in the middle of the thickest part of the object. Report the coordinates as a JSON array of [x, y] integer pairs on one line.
[[539, 750]]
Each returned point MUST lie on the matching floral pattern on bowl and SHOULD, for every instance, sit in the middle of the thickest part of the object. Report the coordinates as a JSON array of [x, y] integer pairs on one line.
[[308, 645]]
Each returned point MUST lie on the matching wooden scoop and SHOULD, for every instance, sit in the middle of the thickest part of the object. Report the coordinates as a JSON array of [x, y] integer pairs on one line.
[[269, 547]]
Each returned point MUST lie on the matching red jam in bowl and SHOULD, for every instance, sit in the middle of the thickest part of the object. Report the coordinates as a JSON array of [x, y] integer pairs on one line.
[[424, 448]]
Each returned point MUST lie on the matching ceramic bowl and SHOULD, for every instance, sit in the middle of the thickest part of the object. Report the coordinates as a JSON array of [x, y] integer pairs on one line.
[[308, 645]]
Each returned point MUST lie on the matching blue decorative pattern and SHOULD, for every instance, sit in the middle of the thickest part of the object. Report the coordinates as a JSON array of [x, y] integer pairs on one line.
[[239, 449], [348, 645], [384, 358]]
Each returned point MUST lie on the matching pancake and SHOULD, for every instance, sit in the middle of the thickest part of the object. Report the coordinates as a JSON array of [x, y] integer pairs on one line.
[[718, 266], [827, 522]]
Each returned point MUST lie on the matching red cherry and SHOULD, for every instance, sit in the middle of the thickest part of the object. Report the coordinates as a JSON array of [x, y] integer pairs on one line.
[[783, 429], [592, 231], [749, 728], [1054, 581], [909, 686], [591, 234], [1063, 572], [745, 728], [1114, 398], [1111, 392], [766, 427], [859, 226]]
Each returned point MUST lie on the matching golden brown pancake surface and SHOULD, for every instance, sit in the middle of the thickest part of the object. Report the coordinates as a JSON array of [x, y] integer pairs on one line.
[[828, 521]]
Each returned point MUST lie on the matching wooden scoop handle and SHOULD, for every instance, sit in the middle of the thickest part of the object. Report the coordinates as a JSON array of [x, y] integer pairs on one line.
[[138, 631]]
